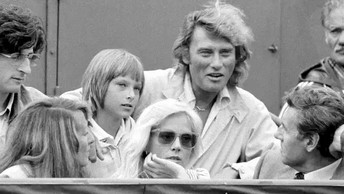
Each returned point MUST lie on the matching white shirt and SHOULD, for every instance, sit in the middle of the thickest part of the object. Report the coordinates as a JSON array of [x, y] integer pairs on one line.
[[324, 173], [222, 101], [4, 119], [111, 149]]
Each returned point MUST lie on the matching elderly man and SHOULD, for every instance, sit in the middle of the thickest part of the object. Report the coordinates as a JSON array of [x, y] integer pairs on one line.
[[329, 72], [210, 54], [308, 125]]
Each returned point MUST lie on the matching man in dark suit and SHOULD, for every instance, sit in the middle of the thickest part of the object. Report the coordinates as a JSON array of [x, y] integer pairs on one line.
[[306, 132]]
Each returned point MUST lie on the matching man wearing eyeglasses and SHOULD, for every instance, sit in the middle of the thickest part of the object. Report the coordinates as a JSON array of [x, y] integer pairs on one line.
[[21, 41]]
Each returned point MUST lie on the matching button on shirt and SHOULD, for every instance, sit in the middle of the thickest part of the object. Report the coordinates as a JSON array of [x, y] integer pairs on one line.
[[111, 149]]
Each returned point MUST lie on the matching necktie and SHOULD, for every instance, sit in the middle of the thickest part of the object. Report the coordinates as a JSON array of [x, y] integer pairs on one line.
[[299, 176]]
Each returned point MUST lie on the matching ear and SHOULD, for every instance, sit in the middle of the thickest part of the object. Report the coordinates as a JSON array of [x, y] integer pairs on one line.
[[186, 56], [312, 142]]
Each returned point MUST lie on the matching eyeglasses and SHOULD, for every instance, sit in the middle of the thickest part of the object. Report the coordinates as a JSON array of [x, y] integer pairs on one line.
[[33, 57], [187, 140]]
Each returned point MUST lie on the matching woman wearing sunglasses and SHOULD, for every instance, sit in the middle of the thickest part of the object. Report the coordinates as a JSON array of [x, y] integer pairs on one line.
[[164, 141]]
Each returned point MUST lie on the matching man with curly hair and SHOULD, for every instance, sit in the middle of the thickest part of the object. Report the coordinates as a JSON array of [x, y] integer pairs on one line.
[[22, 39]]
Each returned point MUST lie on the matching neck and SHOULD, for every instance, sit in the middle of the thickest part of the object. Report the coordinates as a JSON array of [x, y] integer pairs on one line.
[[108, 123], [315, 163], [205, 100]]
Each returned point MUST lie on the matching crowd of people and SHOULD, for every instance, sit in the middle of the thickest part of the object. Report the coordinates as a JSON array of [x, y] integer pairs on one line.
[[190, 121]]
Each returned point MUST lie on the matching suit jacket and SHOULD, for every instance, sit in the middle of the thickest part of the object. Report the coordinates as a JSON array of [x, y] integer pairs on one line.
[[270, 166], [237, 133]]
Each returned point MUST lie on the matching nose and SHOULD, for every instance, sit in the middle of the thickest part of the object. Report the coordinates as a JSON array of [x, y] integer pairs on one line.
[[278, 133], [90, 138], [131, 93], [216, 63], [341, 38], [176, 146], [25, 66]]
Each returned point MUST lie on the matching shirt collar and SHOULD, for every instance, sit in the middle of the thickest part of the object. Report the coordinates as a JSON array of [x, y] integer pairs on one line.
[[9, 105], [324, 173], [103, 136], [99, 132]]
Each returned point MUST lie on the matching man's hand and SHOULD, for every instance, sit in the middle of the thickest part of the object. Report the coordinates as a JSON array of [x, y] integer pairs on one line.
[[95, 149], [161, 168]]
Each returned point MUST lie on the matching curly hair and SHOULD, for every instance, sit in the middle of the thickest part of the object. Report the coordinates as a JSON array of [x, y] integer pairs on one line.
[[19, 30], [224, 21], [329, 6]]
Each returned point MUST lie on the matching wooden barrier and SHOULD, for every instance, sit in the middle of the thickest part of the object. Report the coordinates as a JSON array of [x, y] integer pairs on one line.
[[29, 186]]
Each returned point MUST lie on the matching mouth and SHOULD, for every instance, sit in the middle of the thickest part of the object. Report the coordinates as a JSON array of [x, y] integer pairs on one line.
[[127, 105], [340, 51], [175, 159], [215, 76], [19, 79]]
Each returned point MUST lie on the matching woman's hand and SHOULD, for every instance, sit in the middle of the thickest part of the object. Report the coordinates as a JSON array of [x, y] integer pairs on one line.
[[95, 149], [156, 167]]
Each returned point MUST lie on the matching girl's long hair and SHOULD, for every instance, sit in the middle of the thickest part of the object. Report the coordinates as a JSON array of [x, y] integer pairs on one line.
[[43, 136]]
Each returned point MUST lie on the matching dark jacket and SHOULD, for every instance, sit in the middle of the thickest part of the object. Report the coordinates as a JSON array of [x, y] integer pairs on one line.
[[323, 74]]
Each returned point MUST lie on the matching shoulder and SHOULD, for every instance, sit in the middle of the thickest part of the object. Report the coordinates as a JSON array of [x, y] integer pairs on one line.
[[32, 93], [158, 77], [270, 166], [316, 73], [75, 95], [17, 171], [252, 102]]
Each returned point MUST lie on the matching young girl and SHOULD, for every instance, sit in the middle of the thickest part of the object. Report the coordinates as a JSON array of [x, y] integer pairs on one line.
[[48, 139], [111, 84], [163, 143]]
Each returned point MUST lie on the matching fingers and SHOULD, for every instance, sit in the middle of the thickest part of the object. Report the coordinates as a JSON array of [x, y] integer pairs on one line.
[[99, 151], [92, 153], [95, 149], [276, 119]]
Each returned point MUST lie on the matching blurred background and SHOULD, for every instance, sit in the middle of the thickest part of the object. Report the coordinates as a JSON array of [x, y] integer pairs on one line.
[[288, 38]]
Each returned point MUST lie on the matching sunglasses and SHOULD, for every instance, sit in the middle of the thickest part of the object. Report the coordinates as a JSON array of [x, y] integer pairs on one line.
[[187, 140], [33, 57]]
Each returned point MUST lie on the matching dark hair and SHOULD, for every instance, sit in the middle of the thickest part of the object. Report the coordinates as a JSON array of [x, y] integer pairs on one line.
[[19, 30], [320, 110]]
